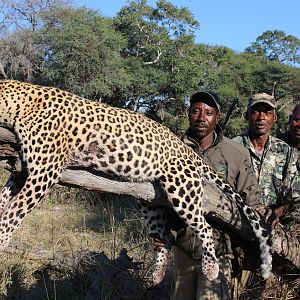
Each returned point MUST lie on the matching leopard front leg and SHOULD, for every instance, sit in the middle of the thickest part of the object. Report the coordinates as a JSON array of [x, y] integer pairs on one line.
[[11, 189], [34, 189], [185, 194], [155, 218]]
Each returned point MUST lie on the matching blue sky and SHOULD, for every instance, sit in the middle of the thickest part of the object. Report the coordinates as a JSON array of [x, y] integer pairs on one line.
[[232, 23]]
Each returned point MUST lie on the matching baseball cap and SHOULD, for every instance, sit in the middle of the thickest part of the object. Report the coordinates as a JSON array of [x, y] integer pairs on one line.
[[262, 98], [208, 96]]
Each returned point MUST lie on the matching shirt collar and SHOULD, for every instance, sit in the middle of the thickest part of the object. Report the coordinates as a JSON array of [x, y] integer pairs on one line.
[[270, 145], [217, 137]]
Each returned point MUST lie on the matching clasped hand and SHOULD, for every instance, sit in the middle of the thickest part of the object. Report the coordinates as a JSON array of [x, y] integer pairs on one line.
[[272, 215]]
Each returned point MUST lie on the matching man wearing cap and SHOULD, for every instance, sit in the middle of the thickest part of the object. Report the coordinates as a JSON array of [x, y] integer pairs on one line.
[[292, 137], [231, 160], [273, 160]]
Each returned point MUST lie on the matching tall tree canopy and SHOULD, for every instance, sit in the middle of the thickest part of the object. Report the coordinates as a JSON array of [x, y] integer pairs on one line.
[[20, 54], [277, 45], [145, 59], [82, 53], [160, 45]]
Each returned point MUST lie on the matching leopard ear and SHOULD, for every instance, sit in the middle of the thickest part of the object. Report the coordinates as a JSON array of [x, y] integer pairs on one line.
[[2, 72]]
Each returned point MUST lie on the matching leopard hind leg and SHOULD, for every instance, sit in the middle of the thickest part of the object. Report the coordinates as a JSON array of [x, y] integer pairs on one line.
[[155, 218], [185, 195]]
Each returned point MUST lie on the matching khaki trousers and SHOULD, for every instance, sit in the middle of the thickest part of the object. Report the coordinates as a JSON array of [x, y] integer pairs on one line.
[[191, 284], [240, 283]]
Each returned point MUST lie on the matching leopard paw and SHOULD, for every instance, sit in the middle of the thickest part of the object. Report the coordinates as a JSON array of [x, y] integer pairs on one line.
[[210, 269], [160, 265]]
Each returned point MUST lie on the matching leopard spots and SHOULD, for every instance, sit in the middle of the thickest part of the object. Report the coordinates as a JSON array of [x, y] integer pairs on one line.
[[58, 130]]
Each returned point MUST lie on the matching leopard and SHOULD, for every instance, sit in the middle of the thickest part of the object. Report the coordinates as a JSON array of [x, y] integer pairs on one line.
[[57, 129]]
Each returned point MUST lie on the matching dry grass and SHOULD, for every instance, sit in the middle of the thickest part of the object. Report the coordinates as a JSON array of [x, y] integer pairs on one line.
[[70, 220], [277, 287]]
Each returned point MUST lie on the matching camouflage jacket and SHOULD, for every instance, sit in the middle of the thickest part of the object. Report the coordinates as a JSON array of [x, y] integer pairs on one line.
[[276, 171]]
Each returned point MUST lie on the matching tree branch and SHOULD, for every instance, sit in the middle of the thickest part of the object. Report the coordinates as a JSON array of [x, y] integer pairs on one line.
[[2, 72]]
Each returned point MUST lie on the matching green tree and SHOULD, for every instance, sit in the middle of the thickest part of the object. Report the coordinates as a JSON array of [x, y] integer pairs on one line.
[[277, 45], [160, 43], [20, 55], [82, 53], [150, 29]]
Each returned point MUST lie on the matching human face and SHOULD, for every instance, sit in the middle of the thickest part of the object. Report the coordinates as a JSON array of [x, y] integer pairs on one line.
[[261, 117], [295, 124], [203, 119]]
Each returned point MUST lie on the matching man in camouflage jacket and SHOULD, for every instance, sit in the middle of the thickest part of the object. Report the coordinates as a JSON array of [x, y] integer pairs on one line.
[[273, 160], [275, 165], [292, 138]]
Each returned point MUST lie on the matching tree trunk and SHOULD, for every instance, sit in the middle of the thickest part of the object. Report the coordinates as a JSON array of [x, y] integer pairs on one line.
[[216, 205], [2, 72]]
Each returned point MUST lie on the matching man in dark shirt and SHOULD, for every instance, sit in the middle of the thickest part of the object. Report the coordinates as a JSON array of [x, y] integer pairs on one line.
[[233, 162], [292, 137]]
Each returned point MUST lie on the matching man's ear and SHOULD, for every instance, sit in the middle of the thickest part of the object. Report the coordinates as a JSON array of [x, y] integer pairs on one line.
[[275, 117], [218, 118]]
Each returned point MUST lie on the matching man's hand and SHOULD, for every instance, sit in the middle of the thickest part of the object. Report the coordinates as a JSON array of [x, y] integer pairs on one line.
[[271, 214], [159, 244], [272, 217]]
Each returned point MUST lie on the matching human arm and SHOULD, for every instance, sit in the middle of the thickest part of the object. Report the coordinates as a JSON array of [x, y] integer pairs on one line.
[[287, 183], [289, 201], [274, 213], [245, 181]]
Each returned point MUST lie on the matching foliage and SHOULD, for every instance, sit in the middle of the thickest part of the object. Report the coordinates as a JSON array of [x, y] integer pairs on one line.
[[20, 55], [150, 29], [160, 40], [276, 45], [144, 59], [82, 53]]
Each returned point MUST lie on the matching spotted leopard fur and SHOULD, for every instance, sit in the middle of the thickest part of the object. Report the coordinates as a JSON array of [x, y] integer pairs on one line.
[[57, 129]]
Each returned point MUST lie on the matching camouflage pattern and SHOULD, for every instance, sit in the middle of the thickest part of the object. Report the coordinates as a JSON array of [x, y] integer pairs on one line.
[[276, 171], [298, 160], [295, 214]]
